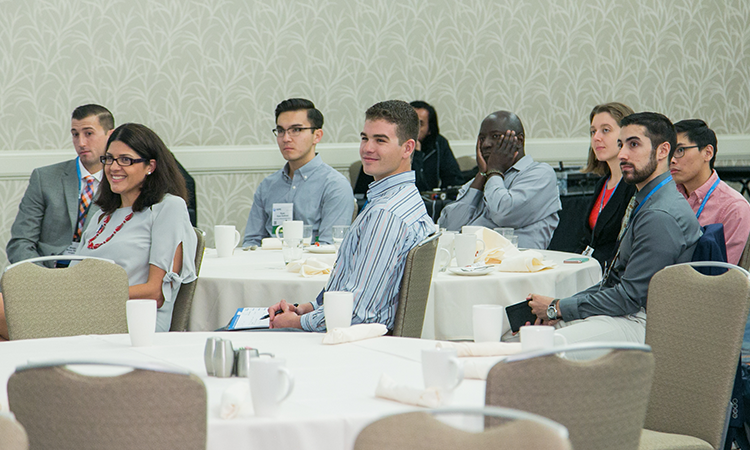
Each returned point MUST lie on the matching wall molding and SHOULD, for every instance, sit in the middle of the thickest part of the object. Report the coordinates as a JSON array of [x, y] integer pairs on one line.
[[265, 158]]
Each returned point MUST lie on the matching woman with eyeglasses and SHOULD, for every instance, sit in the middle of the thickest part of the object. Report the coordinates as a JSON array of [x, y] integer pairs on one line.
[[611, 196], [143, 224]]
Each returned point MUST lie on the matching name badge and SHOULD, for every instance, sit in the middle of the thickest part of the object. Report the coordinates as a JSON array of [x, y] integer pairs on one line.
[[588, 251], [71, 250], [282, 212]]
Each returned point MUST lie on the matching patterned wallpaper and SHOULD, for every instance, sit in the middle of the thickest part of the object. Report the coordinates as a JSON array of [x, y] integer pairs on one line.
[[210, 72]]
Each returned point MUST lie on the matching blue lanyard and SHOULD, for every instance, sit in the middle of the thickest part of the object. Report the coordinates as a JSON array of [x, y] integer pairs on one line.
[[705, 199], [648, 196], [604, 194], [78, 171]]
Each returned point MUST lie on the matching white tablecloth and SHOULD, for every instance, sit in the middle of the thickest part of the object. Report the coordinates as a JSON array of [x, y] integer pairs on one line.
[[333, 397], [258, 278]]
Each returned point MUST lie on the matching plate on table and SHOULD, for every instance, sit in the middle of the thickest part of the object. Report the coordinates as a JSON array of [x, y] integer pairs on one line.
[[321, 248], [472, 271]]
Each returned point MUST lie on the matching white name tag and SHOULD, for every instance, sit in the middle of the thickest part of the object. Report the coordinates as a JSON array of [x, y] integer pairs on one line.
[[282, 212], [588, 251], [71, 250]]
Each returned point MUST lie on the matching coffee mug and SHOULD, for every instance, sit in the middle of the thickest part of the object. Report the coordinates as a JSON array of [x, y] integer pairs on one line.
[[338, 307], [226, 238], [540, 337], [488, 322], [141, 316], [270, 384], [472, 229], [442, 260], [466, 248], [291, 229], [441, 369]]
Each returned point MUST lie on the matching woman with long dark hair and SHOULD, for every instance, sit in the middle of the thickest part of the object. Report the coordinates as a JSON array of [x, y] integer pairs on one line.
[[143, 224]]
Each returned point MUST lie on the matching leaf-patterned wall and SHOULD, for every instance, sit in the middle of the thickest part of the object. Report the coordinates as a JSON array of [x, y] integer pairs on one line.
[[210, 72]]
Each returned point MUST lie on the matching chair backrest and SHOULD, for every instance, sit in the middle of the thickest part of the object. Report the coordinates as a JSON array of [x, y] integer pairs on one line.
[[140, 409], [745, 256], [422, 431], [87, 298], [695, 326], [354, 172], [12, 434], [601, 401], [184, 300], [466, 162], [415, 288]]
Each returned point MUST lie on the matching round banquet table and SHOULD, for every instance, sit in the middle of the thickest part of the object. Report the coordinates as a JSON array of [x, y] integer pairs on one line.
[[334, 393], [259, 278]]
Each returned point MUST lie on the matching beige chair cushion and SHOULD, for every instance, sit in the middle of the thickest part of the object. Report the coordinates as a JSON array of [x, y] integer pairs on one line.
[[88, 298], [12, 435], [415, 289], [602, 402], [184, 301], [141, 409], [421, 431], [653, 440]]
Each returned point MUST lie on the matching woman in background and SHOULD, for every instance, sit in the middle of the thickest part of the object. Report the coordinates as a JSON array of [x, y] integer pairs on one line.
[[605, 212], [143, 224]]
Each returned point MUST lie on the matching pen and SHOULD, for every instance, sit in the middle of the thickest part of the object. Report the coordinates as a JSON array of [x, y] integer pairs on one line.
[[275, 314]]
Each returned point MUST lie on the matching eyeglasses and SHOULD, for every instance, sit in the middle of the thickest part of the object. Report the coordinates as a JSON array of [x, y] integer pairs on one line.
[[679, 152], [122, 161], [292, 132]]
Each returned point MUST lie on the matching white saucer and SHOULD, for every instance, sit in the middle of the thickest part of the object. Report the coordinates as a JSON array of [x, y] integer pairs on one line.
[[321, 248], [471, 271]]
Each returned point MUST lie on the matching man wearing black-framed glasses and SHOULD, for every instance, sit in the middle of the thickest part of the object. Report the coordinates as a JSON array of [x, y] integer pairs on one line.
[[712, 200], [304, 189]]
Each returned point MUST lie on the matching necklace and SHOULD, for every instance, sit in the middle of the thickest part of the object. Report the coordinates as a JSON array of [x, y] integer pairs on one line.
[[90, 244]]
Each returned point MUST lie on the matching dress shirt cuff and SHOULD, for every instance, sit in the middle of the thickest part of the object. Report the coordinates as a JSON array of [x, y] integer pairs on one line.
[[568, 309], [474, 196], [495, 183]]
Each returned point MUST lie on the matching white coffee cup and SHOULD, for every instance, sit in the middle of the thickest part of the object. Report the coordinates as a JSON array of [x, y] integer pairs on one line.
[[488, 322], [338, 307], [472, 229], [540, 337], [446, 241], [441, 368], [270, 384], [292, 229], [442, 260], [466, 248], [141, 321], [226, 238]]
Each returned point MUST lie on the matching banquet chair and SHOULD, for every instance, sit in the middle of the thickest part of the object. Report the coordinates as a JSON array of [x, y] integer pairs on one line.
[[354, 169], [12, 434], [85, 298], [695, 326], [745, 256], [601, 401], [466, 162], [415, 288], [422, 431], [184, 300], [148, 407]]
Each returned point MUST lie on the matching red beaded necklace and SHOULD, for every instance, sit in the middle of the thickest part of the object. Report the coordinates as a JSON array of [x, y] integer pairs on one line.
[[91, 246]]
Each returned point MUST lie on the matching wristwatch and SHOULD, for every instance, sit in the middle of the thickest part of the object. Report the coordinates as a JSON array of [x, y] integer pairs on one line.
[[552, 310]]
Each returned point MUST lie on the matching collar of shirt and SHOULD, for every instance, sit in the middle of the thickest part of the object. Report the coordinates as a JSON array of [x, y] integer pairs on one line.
[[84, 173], [650, 186], [306, 170], [522, 164], [701, 192], [378, 188]]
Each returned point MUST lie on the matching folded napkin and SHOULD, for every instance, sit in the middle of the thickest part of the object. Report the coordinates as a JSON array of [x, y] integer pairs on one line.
[[234, 399], [482, 348], [309, 267], [498, 255], [526, 261], [478, 370], [270, 244], [354, 333], [389, 389]]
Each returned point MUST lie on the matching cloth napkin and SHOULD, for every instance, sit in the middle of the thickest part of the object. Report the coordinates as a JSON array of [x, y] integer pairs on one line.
[[354, 333], [389, 389], [234, 399], [309, 267], [498, 248], [270, 244], [482, 348], [478, 369], [526, 261]]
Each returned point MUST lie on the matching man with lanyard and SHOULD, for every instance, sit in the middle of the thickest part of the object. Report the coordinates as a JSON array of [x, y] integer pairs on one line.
[[661, 231], [53, 211], [712, 200]]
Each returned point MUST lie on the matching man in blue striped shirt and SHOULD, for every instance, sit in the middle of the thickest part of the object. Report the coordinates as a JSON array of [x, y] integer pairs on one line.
[[371, 260]]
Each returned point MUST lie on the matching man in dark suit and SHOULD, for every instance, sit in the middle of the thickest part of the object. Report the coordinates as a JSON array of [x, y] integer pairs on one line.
[[53, 211]]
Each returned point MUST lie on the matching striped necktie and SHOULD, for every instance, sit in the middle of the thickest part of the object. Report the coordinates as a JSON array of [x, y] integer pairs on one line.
[[626, 217], [83, 206]]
